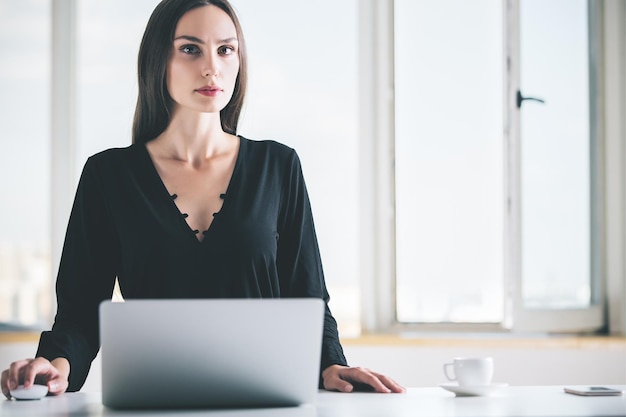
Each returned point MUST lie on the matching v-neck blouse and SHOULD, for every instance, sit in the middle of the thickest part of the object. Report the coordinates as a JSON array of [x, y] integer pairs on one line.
[[124, 224], [174, 196]]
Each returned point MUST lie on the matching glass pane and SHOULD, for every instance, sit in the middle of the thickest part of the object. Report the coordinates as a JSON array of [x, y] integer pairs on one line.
[[303, 91], [25, 265], [555, 157], [449, 161], [107, 46]]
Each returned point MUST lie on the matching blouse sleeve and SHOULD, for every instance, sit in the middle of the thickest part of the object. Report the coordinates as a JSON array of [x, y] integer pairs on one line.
[[86, 277], [299, 262]]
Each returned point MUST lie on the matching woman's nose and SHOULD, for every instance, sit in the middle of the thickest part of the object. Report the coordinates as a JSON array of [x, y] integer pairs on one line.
[[210, 68]]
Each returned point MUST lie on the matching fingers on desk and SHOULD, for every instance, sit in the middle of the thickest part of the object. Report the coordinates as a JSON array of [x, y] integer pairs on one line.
[[363, 379]]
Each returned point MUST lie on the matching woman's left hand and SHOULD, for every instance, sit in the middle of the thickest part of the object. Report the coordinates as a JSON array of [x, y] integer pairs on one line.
[[348, 379]]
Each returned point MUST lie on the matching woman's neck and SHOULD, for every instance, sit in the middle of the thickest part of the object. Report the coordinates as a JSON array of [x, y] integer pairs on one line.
[[192, 138]]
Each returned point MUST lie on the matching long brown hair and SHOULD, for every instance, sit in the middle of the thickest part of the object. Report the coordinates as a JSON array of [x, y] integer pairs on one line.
[[154, 104]]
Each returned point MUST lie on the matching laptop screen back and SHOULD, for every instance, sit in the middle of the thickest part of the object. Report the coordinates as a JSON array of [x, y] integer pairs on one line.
[[210, 353]]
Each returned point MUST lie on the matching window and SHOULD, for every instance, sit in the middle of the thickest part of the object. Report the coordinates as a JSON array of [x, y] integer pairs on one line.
[[437, 200], [559, 278], [493, 198], [555, 154], [25, 284], [449, 163], [107, 47]]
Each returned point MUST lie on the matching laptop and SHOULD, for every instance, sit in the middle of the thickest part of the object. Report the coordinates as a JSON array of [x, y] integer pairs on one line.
[[217, 353]]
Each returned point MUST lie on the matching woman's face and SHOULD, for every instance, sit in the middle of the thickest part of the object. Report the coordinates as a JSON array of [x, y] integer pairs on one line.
[[204, 61]]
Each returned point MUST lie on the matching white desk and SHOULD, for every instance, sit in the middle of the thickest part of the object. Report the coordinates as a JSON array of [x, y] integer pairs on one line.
[[546, 401]]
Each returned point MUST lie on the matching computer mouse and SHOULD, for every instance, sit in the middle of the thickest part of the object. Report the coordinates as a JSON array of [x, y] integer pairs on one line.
[[35, 392]]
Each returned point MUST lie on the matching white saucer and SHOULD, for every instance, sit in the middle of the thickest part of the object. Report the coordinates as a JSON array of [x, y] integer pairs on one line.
[[473, 391]]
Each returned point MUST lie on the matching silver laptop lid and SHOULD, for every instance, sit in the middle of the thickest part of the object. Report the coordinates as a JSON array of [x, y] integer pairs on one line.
[[210, 353]]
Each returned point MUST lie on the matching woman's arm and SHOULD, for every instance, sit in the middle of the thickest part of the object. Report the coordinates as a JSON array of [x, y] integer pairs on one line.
[[299, 262], [301, 275], [86, 276]]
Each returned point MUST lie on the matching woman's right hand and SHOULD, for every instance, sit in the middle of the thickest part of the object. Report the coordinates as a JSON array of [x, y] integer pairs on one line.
[[41, 371]]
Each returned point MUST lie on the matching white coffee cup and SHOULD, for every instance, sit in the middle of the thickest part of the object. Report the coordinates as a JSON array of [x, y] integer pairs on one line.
[[470, 371]]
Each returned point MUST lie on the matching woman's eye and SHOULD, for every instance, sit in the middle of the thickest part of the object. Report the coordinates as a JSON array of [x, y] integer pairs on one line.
[[226, 50], [190, 49]]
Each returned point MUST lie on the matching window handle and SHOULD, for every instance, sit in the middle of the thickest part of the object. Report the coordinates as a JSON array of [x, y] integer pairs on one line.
[[521, 98]]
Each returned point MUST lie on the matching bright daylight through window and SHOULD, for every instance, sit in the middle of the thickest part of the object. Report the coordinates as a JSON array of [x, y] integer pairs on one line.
[[25, 265], [449, 161], [455, 163]]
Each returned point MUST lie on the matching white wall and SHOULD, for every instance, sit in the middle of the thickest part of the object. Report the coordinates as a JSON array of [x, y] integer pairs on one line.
[[421, 364]]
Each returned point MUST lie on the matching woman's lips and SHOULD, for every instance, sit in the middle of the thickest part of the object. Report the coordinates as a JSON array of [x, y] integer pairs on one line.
[[210, 91]]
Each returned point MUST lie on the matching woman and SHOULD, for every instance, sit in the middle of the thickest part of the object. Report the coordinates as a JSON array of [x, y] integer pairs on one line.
[[190, 210]]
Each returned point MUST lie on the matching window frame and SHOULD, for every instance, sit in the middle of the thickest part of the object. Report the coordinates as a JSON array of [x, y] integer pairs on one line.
[[378, 193], [549, 320], [63, 128], [612, 155]]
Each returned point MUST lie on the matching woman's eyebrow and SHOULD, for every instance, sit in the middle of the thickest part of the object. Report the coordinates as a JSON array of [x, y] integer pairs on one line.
[[190, 39], [200, 41]]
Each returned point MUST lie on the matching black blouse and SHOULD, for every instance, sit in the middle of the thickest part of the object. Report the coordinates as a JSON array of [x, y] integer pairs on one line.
[[125, 224]]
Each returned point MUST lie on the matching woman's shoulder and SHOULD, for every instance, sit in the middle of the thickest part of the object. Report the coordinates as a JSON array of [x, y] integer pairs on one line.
[[112, 153], [269, 148], [114, 156]]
